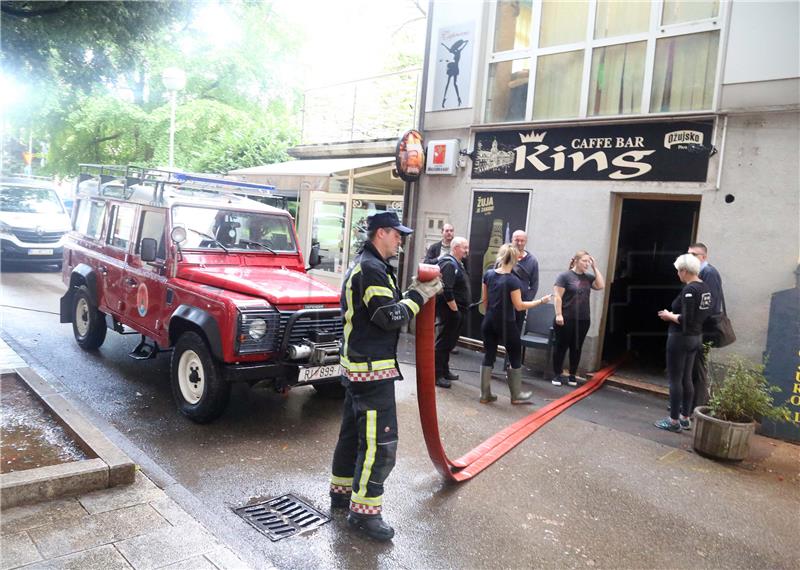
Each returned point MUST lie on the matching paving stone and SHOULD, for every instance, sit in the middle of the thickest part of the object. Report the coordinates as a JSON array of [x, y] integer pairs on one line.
[[170, 510], [100, 558], [193, 563], [224, 559], [131, 521], [60, 539], [18, 519], [141, 491], [18, 549], [168, 546]]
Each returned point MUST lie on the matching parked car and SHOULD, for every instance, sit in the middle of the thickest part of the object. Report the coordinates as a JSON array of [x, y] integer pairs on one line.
[[33, 221], [196, 267]]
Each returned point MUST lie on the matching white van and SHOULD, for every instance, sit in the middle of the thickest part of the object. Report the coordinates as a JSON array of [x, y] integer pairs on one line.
[[33, 221]]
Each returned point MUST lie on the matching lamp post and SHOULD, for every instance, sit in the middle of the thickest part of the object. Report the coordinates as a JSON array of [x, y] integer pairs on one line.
[[174, 80]]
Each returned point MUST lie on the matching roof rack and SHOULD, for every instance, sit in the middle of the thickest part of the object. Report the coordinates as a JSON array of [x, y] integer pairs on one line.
[[131, 176]]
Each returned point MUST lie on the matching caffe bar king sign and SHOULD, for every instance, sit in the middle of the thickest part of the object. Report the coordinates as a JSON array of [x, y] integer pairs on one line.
[[676, 151]]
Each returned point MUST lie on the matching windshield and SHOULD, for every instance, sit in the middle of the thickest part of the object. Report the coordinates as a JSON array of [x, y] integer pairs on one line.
[[29, 200], [233, 229]]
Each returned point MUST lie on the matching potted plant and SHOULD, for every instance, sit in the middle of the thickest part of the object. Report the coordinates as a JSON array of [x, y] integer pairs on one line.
[[723, 428]]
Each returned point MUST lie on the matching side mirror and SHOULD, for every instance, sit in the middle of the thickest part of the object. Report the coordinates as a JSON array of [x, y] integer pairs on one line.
[[314, 258], [147, 249]]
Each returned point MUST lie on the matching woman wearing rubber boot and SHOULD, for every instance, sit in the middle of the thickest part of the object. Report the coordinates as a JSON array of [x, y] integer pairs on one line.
[[502, 298]]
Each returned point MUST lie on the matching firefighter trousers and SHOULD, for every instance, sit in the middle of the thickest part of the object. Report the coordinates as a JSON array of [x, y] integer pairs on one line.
[[367, 447]]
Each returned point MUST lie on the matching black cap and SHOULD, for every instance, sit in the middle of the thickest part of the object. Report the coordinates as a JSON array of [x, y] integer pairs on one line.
[[386, 220]]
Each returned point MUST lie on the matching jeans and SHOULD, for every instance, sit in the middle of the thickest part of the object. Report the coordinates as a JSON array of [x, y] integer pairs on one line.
[[681, 355]]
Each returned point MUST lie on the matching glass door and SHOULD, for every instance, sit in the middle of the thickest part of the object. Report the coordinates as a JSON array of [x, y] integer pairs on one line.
[[361, 207]]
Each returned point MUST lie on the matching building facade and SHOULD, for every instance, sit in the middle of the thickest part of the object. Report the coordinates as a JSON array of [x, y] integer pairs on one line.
[[627, 129]]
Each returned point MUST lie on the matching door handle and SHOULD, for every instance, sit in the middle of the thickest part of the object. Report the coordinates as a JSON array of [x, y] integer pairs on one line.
[[103, 270], [131, 282]]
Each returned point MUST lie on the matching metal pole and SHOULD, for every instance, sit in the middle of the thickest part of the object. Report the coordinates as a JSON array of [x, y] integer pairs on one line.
[[173, 98]]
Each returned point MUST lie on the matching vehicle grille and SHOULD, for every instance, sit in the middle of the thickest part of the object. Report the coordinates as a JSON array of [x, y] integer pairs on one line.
[[31, 236], [304, 325], [276, 325]]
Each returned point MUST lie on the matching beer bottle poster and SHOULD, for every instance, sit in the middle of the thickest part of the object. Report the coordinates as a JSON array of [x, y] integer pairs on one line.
[[495, 216]]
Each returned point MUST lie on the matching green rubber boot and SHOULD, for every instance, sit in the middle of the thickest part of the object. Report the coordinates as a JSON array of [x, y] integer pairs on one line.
[[515, 387], [486, 385]]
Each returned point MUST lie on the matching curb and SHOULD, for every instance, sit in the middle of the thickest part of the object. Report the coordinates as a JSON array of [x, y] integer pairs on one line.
[[107, 467]]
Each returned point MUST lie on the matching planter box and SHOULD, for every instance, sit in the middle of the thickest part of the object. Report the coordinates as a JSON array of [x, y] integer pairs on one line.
[[720, 439]]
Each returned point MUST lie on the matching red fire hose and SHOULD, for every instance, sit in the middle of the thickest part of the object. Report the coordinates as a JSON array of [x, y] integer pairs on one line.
[[502, 442]]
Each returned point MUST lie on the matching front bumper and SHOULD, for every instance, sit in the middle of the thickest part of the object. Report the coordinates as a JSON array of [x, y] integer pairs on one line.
[[31, 253], [284, 374]]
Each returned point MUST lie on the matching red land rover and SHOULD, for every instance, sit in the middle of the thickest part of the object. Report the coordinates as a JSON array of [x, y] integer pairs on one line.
[[198, 266]]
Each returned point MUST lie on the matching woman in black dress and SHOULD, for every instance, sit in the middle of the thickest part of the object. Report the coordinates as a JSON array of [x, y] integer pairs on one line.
[[689, 310], [572, 289], [502, 298]]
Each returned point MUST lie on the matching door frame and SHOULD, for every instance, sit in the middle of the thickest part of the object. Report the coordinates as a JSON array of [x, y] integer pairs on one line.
[[616, 221]]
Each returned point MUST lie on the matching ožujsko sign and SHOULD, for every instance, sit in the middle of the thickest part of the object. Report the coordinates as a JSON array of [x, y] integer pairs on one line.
[[674, 151]]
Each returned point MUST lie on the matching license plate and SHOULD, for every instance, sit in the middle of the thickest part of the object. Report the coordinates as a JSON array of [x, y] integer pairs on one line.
[[40, 252], [312, 373]]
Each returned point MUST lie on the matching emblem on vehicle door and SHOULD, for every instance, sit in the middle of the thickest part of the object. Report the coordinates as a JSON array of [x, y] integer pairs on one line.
[[142, 299]]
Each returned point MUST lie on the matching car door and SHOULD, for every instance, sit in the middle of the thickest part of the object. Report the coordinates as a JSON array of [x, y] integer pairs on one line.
[[146, 282], [117, 246]]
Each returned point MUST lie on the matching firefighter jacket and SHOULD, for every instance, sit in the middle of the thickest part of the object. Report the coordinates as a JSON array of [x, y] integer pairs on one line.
[[373, 311]]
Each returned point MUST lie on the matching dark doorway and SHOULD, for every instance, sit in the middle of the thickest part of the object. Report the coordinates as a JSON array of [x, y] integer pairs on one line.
[[652, 234]]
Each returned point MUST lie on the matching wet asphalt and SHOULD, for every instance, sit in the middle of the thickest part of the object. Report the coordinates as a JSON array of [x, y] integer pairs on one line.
[[596, 487]]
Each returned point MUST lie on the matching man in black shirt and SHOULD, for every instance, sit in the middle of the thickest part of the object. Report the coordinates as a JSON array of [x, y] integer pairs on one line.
[[440, 248], [711, 277], [452, 306]]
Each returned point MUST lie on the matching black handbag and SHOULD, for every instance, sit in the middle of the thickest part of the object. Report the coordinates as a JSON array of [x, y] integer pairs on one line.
[[718, 329]]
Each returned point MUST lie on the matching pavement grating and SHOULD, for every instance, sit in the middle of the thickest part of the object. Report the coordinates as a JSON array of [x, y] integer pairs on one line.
[[282, 517]]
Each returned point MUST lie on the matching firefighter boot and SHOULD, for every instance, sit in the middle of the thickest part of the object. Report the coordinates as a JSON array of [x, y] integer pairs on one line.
[[370, 525], [340, 500], [515, 387], [486, 385]]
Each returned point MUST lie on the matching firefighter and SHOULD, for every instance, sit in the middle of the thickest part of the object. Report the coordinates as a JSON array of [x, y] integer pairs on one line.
[[373, 311]]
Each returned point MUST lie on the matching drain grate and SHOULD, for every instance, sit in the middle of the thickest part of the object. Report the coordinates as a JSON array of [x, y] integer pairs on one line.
[[282, 517]]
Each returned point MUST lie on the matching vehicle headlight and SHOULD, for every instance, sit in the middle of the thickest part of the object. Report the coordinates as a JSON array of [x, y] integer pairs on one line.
[[257, 329]]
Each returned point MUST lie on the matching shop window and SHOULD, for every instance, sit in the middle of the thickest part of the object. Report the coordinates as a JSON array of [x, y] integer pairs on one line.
[[684, 73], [328, 231], [615, 86], [681, 11], [558, 85], [621, 17], [508, 91], [512, 25], [338, 185], [361, 210], [563, 22]]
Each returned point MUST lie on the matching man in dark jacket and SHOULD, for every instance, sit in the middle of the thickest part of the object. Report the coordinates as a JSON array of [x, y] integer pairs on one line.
[[373, 311], [711, 277], [527, 270], [452, 306], [440, 248]]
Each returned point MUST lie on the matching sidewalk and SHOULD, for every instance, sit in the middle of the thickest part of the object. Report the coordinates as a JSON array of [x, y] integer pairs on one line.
[[130, 526]]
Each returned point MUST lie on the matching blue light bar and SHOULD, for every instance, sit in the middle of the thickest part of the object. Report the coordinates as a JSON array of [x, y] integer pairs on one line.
[[182, 177]]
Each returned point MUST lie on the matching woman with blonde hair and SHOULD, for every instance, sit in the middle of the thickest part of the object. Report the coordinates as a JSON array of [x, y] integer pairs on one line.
[[690, 309], [502, 298], [572, 289]]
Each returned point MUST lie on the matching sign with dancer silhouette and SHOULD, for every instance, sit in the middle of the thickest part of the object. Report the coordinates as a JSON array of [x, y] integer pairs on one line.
[[453, 67]]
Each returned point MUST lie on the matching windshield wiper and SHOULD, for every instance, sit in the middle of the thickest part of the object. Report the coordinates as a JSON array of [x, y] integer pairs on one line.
[[248, 242], [212, 238]]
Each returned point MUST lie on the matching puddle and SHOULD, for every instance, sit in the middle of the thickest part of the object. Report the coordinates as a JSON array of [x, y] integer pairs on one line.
[[30, 436]]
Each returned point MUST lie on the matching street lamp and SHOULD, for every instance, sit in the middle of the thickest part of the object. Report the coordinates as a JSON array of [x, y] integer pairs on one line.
[[174, 80]]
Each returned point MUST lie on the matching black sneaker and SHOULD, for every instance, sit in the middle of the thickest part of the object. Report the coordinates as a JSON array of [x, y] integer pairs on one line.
[[340, 500], [443, 382], [451, 376], [557, 380], [370, 525], [572, 381]]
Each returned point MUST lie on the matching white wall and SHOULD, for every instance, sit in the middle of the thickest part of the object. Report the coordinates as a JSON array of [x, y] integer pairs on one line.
[[763, 42]]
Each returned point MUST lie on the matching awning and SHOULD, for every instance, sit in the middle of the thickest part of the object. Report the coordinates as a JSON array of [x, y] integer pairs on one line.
[[312, 167]]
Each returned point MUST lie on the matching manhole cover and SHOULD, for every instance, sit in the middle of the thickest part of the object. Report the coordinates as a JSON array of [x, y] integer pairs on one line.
[[282, 517]]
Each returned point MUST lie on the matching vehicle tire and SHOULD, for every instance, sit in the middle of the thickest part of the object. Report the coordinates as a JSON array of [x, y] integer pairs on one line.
[[88, 322], [333, 390], [198, 387]]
